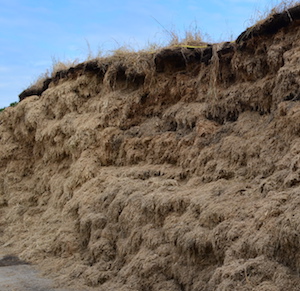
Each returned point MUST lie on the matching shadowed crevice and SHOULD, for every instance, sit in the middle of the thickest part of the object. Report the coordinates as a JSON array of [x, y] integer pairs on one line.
[[10, 260]]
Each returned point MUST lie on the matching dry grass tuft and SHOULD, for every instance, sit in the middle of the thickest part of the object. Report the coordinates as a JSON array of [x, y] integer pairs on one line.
[[58, 65], [261, 16], [192, 37]]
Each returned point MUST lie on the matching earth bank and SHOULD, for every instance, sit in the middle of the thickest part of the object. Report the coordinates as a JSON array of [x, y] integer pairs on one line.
[[178, 170]]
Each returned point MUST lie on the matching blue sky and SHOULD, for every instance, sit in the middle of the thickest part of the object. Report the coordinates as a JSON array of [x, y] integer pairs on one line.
[[34, 32]]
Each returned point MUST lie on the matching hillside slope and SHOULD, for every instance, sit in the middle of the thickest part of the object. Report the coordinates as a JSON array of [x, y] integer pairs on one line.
[[177, 170]]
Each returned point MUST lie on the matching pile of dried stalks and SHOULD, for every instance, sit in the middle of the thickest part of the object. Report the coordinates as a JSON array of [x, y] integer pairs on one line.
[[171, 171]]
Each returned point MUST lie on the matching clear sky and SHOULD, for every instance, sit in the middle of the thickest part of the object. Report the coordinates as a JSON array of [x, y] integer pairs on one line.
[[35, 32]]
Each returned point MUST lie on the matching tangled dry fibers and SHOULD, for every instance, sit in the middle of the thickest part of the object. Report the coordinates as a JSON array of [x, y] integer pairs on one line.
[[178, 170]]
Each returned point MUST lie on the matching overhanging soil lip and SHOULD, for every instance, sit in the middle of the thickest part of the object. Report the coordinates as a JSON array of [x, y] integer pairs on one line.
[[272, 24]]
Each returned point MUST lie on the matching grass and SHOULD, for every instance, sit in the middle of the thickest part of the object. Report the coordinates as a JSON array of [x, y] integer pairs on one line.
[[57, 66], [138, 60], [192, 36], [11, 105], [260, 16]]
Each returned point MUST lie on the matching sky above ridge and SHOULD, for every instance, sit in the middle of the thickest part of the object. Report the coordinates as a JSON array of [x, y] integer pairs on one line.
[[36, 33]]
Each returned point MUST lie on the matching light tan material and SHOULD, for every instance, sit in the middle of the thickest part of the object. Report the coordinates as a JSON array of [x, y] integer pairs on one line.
[[181, 182]]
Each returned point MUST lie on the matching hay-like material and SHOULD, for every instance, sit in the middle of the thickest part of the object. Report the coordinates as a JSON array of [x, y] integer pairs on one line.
[[125, 176]]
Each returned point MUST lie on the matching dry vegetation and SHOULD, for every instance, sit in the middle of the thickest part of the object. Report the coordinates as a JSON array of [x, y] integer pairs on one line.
[[173, 170], [125, 53], [192, 37], [283, 6]]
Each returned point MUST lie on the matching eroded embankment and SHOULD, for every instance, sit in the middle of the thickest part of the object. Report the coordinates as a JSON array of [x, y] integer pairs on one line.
[[171, 171]]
